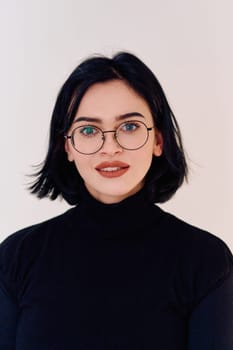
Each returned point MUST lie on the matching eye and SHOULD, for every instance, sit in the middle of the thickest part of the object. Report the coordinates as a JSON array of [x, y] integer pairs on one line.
[[88, 130], [129, 127]]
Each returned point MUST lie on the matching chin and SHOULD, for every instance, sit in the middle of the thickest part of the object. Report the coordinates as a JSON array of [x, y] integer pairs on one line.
[[115, 194]]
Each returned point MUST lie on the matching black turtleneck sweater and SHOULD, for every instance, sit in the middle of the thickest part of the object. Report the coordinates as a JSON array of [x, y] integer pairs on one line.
[[115, 277]]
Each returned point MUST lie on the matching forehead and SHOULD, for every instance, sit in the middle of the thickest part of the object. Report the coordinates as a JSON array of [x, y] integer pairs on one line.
[[111, 98]]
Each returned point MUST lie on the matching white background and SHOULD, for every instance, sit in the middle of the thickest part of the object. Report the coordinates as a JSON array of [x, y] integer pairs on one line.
[[189, 46]]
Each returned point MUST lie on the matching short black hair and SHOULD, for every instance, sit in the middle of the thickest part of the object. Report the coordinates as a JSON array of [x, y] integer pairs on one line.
[[59, 177]]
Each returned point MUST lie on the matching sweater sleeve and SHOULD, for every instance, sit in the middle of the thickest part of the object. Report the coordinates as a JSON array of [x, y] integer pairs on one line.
[[211, 319], [211, 323], [8, 319], [8, 298]]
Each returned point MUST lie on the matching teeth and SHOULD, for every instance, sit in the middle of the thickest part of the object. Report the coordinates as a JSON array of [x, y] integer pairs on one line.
[[110, 169]]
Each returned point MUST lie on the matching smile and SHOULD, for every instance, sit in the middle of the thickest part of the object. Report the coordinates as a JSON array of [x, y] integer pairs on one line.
[[114, 169]]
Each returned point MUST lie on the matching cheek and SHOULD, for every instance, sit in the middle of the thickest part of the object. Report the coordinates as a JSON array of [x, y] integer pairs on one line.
[[143, 158], [79, 163], [82, 164], [147, 151]]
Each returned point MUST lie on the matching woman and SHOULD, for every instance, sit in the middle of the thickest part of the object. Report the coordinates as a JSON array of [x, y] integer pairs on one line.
[[115, 271]]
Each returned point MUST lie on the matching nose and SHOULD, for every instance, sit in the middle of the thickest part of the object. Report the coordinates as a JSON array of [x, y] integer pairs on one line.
[[110, 146]]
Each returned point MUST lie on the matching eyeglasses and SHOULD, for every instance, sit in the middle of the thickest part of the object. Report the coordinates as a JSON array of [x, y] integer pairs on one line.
[[89, 139]]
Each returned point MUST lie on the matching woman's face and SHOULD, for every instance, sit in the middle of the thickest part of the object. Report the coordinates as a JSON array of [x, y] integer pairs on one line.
[[113, 173]]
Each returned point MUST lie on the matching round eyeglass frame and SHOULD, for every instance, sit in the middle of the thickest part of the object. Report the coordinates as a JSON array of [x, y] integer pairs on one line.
[[71, 137]]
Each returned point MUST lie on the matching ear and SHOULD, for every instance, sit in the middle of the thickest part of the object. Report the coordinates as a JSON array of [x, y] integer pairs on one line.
[[158, 145], [69, 150]]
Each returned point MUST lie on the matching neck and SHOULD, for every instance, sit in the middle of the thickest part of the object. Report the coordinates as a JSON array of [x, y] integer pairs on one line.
[[131, 216]]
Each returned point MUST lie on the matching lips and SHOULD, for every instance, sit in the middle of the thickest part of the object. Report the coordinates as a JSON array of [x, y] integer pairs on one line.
[[112, 169]]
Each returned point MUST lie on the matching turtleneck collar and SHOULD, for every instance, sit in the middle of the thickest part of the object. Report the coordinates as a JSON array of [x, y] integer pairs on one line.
[[127, 217]]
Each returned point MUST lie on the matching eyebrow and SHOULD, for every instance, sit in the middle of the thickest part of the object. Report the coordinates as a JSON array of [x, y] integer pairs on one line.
[[99, 120]]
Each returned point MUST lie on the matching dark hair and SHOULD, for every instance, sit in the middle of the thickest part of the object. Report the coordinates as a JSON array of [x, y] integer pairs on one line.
[[57, 176]]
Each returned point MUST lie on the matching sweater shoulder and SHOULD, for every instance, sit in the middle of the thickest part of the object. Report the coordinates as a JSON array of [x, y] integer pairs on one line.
[[203, 256], [25, 245], [38, 229], [194, 237]]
